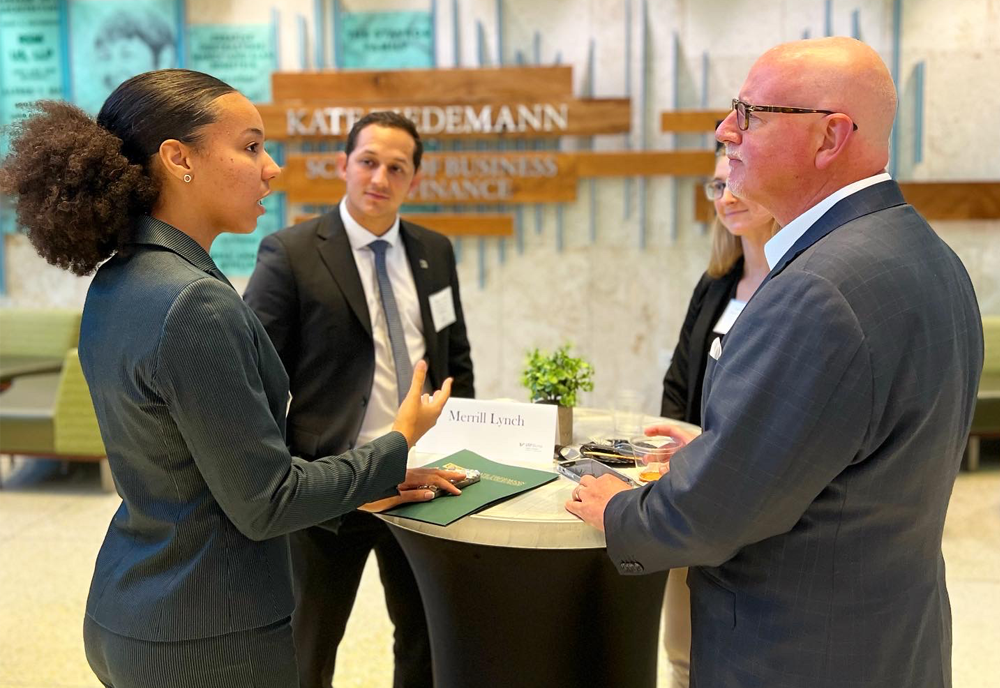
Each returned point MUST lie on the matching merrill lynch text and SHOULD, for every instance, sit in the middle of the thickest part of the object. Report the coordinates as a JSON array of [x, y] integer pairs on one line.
[[484, 418]]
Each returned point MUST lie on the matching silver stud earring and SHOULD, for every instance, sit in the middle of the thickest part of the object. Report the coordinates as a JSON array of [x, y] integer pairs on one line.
[[187, 178]]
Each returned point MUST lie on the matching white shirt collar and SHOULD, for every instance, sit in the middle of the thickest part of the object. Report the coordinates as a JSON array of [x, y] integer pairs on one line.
[[361, 237], [779, 244]]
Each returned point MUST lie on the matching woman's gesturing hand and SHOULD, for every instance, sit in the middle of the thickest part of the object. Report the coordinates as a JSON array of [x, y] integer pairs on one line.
[[418, 412]]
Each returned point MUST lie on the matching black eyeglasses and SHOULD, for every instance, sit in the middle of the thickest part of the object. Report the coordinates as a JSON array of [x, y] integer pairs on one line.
[[743, 111], [714, 189]]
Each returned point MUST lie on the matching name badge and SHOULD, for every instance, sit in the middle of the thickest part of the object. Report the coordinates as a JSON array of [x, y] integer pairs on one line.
[[502, 431], [728, 317], [442, 309]]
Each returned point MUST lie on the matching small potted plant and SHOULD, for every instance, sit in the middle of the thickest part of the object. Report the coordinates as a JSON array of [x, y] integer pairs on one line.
[[555, 379]]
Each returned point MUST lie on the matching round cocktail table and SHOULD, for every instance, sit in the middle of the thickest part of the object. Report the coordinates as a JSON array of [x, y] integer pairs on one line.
[[523, 594]]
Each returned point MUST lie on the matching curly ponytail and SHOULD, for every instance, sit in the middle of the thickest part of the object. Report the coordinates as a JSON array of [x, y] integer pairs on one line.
[[79, 183], [76, 192]]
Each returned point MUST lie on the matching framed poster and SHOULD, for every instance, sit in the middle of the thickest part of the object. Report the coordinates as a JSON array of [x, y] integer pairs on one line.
[[113, 40], [32, 67], [31, 55], [385, 40], [241, 55]]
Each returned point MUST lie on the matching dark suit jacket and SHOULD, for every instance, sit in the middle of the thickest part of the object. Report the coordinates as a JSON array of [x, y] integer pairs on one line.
[[682, 384], [307, 293], [190, 399], [812, 505]]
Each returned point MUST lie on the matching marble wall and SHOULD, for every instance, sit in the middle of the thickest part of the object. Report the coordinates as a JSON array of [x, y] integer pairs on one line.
[[620, 304]]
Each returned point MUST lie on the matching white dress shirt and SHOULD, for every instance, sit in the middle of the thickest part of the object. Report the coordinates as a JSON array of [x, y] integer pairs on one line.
[[384, 400], [779, 244]]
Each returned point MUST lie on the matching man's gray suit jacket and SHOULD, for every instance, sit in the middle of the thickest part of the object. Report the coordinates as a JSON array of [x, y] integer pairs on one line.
[[812, 506], [190, 398]]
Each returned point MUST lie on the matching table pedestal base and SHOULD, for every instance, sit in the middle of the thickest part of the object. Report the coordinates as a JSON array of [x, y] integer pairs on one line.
[[509, 617]]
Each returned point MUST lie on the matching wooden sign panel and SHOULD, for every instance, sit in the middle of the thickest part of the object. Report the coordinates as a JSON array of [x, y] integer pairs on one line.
[[328, 120], [954, 200], [691, 121], [447, 178], [509, 102], [644, 163], [426, 85], [494, 177], [933, 200]]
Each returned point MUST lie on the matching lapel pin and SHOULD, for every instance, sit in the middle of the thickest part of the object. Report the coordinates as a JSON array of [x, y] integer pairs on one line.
[[423, 264]]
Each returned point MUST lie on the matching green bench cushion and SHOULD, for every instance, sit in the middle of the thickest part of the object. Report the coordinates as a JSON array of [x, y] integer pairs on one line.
[[991, 342], [76, 430], [27, 414], [13, 365], [26, 436], [986, 419], [28, 332]]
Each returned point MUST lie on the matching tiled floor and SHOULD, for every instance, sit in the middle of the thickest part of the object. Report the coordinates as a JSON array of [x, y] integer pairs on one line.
[[51, 526]]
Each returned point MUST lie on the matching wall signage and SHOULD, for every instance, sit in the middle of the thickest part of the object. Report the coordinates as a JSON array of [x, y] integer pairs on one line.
[[467, 177], [433, 120]]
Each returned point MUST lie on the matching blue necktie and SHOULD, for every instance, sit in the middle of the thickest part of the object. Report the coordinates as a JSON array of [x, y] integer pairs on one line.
[[397, 339]]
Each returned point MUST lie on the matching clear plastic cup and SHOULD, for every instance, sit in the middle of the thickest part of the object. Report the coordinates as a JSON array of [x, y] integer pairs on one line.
[[652, 455], [627, 412]]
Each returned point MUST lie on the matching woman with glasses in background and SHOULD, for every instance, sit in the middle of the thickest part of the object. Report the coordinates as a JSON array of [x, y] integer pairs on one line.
[[736, 267]]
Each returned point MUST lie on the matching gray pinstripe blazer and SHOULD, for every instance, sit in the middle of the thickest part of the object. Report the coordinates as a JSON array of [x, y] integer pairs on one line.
[[813, 504], [190, 398]]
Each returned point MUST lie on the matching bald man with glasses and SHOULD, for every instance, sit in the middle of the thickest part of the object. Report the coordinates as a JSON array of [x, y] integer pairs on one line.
[[835, 409]]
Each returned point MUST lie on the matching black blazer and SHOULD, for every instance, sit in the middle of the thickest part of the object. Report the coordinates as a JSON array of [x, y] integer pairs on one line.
[[190, 399], [682, 385], [307, 293]]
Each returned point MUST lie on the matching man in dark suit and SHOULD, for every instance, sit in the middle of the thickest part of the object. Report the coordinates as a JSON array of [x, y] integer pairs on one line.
[[352, 300], [835, 410]]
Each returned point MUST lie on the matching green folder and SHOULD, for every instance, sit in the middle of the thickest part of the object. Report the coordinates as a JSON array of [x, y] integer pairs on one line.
[[498, 482]]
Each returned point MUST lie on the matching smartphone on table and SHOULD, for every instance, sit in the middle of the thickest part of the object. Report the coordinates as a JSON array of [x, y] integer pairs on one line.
[[574, 470]]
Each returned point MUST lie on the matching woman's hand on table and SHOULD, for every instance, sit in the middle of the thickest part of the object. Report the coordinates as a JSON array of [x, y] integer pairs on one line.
[[591, 497], [414, 488]]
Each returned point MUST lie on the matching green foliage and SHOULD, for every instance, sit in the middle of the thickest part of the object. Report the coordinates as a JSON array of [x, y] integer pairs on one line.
[[556, 377]]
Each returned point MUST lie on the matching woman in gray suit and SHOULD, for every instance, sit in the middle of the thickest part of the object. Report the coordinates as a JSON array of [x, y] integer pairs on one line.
[[192, 584]]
